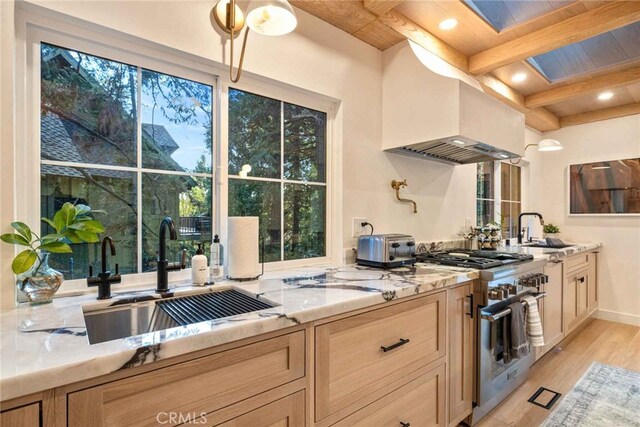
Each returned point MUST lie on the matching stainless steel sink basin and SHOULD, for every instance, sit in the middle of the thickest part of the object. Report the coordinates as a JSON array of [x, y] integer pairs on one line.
[[535, 245], [126, 320]]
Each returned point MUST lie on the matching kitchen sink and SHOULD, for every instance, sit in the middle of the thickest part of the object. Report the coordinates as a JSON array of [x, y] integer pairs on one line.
[[135, 318], [536, 245]]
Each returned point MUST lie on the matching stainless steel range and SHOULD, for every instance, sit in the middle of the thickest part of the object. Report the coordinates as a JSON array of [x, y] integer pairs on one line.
[[504, 279]]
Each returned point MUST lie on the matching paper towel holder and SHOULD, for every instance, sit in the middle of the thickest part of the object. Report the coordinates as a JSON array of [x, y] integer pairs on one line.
[[248, 279]]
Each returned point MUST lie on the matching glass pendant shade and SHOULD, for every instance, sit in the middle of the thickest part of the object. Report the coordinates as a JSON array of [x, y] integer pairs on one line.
[[271, 17]]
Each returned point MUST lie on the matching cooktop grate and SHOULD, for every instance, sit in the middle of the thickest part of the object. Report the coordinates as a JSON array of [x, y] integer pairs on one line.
[[214, 305]]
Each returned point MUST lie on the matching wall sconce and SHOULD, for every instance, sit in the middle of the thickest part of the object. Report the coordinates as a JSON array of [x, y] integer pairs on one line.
[[546, 145], [270, 17]]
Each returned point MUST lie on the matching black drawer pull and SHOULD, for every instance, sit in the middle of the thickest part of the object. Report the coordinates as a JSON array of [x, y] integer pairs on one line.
[[470, 313], [405, 424], [581, 279], [402, 341]]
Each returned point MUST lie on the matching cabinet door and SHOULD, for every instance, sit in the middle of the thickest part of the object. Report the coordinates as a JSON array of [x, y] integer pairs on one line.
[[418, 403], [460, 353], [592, 289], [25, 416], [575, 298], [286, 412], [551, 307]]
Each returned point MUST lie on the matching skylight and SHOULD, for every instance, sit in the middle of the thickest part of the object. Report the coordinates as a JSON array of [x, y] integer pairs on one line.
[[604, 50], [502, 14]]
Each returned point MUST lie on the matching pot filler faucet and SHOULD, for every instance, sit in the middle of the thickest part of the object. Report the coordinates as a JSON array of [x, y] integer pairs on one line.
[[520, 222], [164, 266]]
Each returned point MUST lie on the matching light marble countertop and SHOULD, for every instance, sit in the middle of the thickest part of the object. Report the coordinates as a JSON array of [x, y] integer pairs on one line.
[[46, 346]]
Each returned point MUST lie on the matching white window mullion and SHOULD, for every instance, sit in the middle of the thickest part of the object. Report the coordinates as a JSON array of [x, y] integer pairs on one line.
[[282, 181], [139, 170]]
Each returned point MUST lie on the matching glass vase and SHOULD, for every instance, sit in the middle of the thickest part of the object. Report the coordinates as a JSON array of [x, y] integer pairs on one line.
[[40, 283]]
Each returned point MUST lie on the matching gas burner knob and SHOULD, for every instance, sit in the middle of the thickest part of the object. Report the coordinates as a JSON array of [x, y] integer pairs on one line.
[[496, 294], [391, 257]]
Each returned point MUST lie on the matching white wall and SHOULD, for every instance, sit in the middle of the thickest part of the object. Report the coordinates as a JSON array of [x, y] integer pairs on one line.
[[620, 257]]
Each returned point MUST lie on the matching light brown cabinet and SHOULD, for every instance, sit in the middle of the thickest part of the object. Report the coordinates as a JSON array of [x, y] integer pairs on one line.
[[25, 416], [460, 353], [358, 355], [592, 291], [550, 307], [418, 403], [575, 292], [198, 386], [285, 412]]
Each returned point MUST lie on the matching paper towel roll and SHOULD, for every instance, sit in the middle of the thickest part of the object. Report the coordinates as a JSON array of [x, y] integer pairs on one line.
[[243, 251]]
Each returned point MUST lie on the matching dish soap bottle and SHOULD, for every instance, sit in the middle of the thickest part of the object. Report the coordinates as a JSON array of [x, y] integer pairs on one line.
[[199, 267], [217, 262]]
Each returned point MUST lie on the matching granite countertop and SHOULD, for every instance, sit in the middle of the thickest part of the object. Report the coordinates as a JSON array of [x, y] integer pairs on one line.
[[47, 346]]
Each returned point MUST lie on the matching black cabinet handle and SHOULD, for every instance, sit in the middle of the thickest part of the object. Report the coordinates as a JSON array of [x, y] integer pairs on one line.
[[402, 424], [581, 280], [470, 313], [402, 342]]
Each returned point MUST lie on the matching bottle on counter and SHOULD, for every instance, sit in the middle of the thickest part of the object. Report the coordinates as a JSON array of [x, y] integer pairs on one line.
[[199, 267], [217, 261]]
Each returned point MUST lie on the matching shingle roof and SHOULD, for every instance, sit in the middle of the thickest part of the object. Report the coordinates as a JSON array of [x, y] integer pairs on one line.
[[161, 137]]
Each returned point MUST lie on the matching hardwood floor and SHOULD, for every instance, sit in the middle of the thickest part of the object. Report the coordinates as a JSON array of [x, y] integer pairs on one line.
[[600, 341]]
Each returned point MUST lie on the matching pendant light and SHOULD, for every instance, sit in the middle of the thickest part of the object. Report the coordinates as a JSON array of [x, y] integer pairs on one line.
[[270, 18], [543, 145]]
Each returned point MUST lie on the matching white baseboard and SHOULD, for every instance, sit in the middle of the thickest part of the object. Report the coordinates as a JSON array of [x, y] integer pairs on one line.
[[614, 316]]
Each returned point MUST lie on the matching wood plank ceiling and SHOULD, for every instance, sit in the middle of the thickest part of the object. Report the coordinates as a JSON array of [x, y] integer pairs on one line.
[[494, 57]]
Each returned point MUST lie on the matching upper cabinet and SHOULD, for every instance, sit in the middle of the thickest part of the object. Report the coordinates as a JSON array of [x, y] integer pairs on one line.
[[428, 115]]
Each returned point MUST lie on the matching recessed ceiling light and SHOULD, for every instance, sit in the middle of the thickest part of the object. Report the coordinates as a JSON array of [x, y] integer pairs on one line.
[[605, 96], [519, 77], [448, 24], [504, 156], [457, 141]]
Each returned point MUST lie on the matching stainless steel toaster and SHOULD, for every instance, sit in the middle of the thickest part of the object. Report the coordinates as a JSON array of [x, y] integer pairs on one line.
[[386, 250]]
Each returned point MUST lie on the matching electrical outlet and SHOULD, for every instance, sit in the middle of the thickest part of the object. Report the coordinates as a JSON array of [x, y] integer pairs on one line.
[[358, 229]]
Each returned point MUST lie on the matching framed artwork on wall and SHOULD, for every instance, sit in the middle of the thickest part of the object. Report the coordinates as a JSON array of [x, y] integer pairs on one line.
[[605, 188]]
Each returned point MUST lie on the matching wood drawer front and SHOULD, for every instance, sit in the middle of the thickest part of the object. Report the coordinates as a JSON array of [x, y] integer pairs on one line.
[[199, 386], [25, 416], [576, 262], [286, 412], [419, 403], [350, 362]]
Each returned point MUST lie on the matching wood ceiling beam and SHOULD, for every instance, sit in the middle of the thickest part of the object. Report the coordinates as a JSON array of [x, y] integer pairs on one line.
[[378, 7], [605, 114], [583, 87], [414, 32], [596, 21]]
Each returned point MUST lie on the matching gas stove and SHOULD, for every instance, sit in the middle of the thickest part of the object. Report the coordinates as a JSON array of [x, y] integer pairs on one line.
[[481, 260]]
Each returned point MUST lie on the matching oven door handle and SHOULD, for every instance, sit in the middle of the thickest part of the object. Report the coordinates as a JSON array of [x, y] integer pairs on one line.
[[492, 317]]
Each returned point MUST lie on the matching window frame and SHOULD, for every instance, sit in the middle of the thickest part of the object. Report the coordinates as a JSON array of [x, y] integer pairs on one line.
[[304, 99], [497, 191], [29, 176], [34, 25]]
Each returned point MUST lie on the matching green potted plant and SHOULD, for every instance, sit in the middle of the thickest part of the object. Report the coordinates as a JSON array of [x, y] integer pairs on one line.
[[550, 230], [72, 224]]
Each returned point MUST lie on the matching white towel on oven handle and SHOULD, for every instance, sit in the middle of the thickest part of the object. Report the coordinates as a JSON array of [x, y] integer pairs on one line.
[[534, 325]]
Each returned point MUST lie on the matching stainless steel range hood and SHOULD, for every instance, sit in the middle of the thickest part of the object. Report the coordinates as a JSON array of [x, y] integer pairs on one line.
[[429, 116]]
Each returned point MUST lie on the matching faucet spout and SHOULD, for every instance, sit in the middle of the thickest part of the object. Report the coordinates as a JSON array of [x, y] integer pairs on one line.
[[163, 264], [539, 215], [397, 185]]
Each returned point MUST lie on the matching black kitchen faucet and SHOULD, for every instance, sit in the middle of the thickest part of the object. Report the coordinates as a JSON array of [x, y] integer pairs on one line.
[[164, 266], [104, 279], [520, 222]]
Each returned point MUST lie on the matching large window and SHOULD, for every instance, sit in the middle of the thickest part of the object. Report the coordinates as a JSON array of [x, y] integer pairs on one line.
[[133, 142], [499, 188], [277, 171]]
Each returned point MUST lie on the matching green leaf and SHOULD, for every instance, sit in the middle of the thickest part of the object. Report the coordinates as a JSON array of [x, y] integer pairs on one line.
[[56, 248], [71, 235], [100, 211], [82, 210], [52, 237], [64, 216], [24, 261], [51, 223], [92, 226], [87, 236], [14, 239], [23, 229]]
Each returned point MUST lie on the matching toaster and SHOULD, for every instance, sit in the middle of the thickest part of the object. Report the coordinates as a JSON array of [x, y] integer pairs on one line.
[[386, 250]]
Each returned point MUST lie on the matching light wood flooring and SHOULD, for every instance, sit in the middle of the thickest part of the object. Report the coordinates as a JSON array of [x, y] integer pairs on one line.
[[600, 341]]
